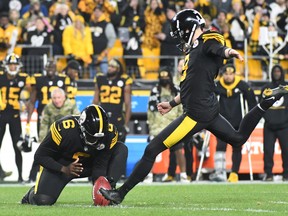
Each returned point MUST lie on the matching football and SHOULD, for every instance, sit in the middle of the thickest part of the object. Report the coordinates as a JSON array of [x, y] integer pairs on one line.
[[98, 199]]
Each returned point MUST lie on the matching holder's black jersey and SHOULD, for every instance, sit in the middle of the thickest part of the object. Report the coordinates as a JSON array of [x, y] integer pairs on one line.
[[197, 80], [111, 95], [45, 85], [63, 145], [10, 90]]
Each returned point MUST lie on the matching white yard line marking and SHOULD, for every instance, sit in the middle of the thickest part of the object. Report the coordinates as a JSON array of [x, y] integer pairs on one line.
[[175, 208], [279, 202]]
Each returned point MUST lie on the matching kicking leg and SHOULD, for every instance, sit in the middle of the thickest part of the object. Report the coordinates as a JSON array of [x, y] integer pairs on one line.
[[180, 128]]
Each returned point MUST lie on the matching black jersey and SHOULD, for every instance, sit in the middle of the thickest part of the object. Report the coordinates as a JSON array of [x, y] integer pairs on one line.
[[63, 145], [99, 38], [197, 80], [45, 85], [10, 90], [71, 90], [111, 95]]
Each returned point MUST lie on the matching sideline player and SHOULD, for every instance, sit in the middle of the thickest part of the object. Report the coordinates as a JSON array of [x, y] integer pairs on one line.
[[42, 86], [113, 92], [12, 82]]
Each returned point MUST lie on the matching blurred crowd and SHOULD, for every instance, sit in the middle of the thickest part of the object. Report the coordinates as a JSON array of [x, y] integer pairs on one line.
[[138, 32]]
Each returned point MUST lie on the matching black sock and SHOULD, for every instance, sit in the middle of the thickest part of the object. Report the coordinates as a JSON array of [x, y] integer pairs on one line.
[[141, 170], [236, 160]]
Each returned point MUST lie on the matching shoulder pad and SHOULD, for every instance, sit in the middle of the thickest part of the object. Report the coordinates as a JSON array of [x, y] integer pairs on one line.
[[128, 79], [62, 75], [57, 127], [213, 35], [100, 74], [37, 75], [23, 74], [125, 76], [55, 132]]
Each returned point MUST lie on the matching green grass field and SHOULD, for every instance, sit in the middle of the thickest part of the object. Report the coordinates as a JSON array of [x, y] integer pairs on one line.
[[160, 199]]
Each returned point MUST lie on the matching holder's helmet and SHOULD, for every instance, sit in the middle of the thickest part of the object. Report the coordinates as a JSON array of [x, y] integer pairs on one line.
[[93, 123], [183, 27], [12, 59]]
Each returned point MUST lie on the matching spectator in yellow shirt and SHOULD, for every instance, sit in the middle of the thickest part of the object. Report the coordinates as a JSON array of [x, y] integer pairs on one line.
[[77, 41]]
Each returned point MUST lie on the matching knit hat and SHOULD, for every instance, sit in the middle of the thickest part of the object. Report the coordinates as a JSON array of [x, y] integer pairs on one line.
[[73, 64], [4, 14], [164, 73], [229, 68]]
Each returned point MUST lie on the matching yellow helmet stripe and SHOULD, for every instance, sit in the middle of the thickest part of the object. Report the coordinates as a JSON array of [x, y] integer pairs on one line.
[[13, 59], [100, 118]]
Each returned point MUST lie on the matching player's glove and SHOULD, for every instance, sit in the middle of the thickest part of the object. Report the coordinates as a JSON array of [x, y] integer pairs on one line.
[[111, 181], [24, 144], [198, 141]]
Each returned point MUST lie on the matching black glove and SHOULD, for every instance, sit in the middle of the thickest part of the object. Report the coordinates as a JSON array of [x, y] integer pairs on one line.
[[24, 144], [198, 141], [3, 46], [111, 181]]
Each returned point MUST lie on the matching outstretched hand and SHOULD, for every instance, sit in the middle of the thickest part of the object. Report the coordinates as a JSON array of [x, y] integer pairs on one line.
[[235, 54], [74, 168], [164, 107]]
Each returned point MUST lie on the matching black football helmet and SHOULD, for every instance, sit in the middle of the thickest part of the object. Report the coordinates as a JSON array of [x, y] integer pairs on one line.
[[93, 123], [12, 59], [183, 27], [50, 68]]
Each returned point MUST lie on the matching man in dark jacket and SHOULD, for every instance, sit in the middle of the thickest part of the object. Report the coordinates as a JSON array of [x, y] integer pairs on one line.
[[276, 127], [232, 93]]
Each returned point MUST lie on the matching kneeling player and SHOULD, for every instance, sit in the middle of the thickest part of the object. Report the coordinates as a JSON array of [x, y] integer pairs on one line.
[[76, 147]]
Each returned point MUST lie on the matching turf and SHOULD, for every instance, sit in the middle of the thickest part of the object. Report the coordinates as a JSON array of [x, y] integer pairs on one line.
[[160, 199]]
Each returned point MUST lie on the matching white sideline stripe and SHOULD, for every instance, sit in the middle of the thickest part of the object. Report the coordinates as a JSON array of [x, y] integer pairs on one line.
[[136, 140], [175, 208]]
